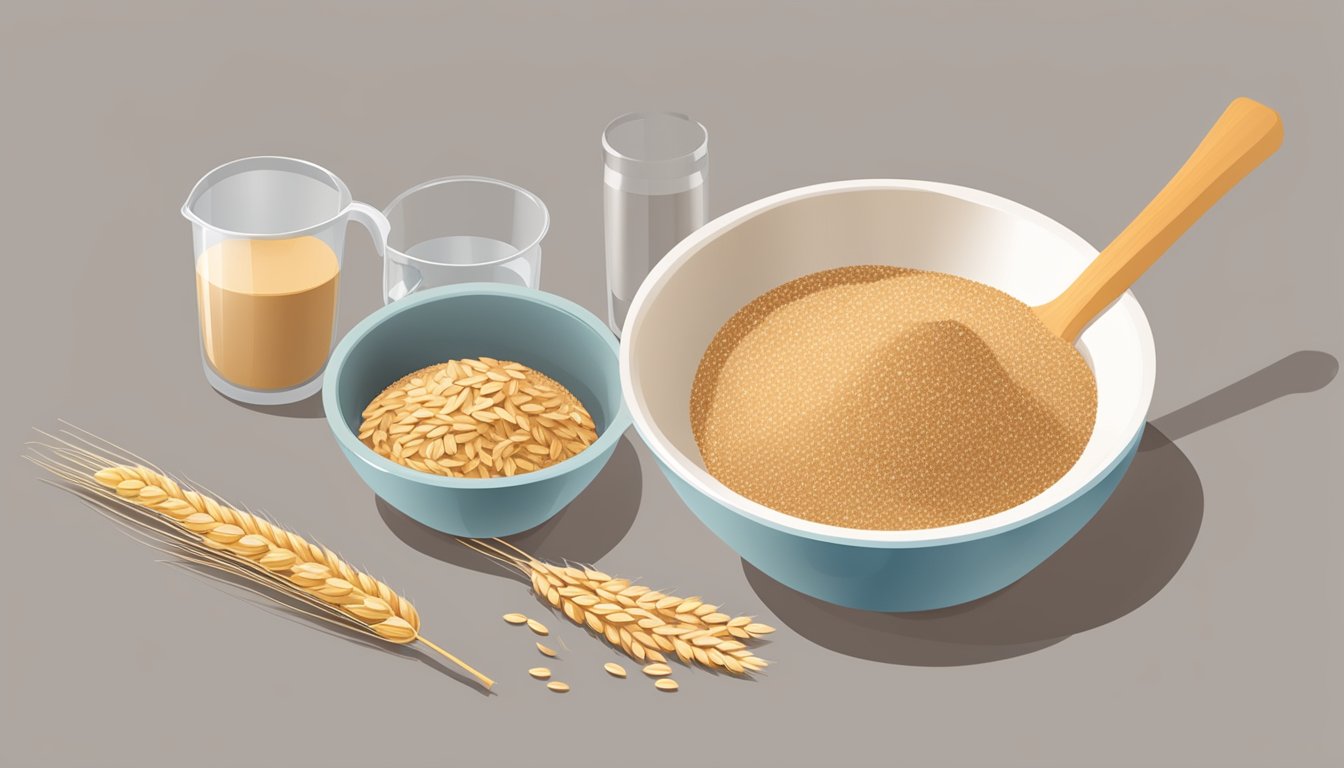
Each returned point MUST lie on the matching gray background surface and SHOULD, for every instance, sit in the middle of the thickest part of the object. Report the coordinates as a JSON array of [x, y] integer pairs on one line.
[[1196, 621]]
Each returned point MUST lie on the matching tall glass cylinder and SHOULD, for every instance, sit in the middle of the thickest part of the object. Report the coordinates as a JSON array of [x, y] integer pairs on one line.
[[656, 167]]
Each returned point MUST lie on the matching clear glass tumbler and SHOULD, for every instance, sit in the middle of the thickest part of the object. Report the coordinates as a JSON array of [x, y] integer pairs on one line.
[[656, 165], [463, 229], [268, 235]]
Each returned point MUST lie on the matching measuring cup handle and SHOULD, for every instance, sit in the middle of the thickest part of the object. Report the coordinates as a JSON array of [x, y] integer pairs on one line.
[[379, 229]]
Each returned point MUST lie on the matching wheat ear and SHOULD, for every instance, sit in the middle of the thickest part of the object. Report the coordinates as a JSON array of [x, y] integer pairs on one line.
[[644, 623], [245, 544]]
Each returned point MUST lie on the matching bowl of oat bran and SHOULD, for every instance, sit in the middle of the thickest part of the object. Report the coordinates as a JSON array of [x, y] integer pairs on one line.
[[725, 266], [509, 326]]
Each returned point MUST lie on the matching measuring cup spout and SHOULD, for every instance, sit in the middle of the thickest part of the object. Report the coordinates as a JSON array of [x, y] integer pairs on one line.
[[197, 190]]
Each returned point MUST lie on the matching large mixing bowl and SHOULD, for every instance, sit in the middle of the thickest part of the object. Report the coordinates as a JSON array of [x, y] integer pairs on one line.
[[918, 224]]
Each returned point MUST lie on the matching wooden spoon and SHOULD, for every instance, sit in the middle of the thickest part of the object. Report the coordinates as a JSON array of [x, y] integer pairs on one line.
[[1246, 134]]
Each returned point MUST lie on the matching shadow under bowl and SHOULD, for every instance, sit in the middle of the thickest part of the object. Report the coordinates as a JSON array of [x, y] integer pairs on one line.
[[542, 331]]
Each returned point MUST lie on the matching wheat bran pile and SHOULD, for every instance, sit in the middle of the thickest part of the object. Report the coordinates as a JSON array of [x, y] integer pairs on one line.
[[882, 398]]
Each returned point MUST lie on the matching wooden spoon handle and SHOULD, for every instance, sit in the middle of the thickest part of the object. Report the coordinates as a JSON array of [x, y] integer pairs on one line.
[[1246, 134]]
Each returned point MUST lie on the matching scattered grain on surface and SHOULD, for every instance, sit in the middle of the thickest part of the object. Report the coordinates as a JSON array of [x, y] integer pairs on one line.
[[515, 618], [538, 627], [657, 670], [546, 650], [614, 669], [882, 398], [666, 684], [558, 687], [541, 673]]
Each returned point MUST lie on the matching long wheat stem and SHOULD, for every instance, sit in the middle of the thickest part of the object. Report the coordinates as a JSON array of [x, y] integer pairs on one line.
[[240, 542]]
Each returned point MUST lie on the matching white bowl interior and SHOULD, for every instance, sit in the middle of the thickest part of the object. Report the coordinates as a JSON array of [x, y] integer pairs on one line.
[[923, 225]]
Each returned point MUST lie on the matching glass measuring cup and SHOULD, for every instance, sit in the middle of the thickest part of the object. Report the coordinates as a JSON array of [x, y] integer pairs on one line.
[[268, 236], [462, 229]]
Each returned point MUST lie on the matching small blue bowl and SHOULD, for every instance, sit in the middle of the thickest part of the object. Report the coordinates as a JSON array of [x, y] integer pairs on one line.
[[542, 331]]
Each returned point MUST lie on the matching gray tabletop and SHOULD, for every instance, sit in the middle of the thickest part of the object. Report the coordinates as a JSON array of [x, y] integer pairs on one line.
[[1196, 621]]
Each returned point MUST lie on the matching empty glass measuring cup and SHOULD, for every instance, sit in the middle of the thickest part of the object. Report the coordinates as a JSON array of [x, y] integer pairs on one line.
[[268, 236], [462, 229]]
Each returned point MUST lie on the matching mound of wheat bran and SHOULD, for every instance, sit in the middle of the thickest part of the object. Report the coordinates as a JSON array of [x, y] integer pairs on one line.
[[883, 398]]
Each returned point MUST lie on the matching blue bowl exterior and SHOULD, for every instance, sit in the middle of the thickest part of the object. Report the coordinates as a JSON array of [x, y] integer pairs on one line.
[[480, 512], [911, 577], [540, 330]]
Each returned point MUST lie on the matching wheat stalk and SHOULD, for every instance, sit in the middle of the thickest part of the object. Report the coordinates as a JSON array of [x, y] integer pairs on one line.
[[209, 532], [642, 622]]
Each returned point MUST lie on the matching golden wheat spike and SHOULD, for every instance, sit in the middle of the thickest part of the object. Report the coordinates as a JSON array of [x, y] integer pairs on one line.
[[244, 543], [643, 623]]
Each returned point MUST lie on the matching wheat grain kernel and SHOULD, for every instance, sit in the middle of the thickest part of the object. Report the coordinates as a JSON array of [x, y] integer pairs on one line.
[[657, 670]]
